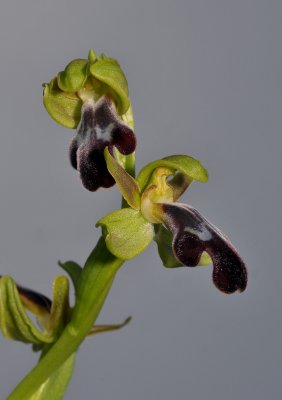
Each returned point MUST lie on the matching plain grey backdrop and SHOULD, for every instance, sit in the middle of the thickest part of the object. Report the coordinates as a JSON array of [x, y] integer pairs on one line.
[[205, 80]]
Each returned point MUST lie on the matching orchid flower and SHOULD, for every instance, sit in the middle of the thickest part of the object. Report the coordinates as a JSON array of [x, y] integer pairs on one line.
[[183, 235], [92, 96]]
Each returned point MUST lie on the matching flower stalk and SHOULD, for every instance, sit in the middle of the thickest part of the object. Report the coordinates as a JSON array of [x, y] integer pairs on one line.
[[96, 281]]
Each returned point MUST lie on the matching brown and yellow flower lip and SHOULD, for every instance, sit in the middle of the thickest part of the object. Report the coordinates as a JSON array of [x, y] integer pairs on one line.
[[193, 234], [100, 127]]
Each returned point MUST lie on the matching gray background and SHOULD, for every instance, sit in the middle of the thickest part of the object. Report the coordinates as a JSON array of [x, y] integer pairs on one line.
[[205, 80]]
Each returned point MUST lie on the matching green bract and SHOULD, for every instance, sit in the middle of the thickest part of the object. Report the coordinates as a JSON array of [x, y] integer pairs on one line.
[[74, 271], [83, 78]]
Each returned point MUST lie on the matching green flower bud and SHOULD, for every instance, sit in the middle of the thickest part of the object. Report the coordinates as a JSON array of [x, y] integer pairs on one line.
[[85, 79]]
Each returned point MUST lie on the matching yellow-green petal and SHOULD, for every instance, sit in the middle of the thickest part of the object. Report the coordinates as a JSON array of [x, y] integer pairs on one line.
[[126, 183], [188, 166]]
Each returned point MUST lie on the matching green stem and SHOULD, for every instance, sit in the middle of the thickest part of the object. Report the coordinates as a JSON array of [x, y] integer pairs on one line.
[[96, 280], [54, 387]]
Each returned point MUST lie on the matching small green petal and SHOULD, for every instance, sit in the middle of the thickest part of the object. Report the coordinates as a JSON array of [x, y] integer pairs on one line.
[[127, 233], [163, 238], [64, 108], [60, 310], [74, 271], [108, 71], [14, 322], [186, 165], [126, 183], [74, 76], [92, 56]]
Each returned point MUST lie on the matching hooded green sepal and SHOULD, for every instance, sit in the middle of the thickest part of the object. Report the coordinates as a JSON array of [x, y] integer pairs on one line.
[[163, 238], [63, 107], [188, 166], [73, 270], [126, 233], [14, 322], [60, 309], [74, 76], [126, 183], [107, 70]]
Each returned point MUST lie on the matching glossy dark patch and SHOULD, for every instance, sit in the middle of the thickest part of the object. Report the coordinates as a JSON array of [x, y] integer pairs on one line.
[[193, 234], [99, 127]]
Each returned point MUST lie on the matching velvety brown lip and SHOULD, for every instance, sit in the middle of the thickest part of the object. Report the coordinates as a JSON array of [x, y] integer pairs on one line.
[[193, 234], [99, 127]]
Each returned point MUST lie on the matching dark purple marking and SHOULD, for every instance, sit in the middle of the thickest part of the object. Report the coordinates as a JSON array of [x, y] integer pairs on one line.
[[99, 127], [193, 234], [36, 298]]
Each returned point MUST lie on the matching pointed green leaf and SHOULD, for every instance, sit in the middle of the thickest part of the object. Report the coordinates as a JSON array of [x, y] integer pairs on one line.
[[127, 233], [126, 183], [186, 165], [60, 309], [14, 322], [74, 270], [64, 108], [106, 328], [163, 238], [108, 71], [74, 76]]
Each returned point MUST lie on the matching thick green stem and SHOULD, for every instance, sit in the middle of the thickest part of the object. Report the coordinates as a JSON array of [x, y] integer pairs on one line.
[[96, 280]]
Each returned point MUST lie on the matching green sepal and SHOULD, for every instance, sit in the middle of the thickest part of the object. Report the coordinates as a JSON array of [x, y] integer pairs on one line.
[[126, 233], [163, 238], [126, 183], [63, 107], [14, 322], [108, 71], [74, 271], [188, 166], [60, 309], [74, 75]]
